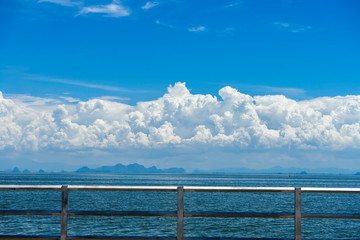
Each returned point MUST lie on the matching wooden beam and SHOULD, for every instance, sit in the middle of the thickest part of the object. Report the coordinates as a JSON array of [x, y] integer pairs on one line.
[[123, 188], [64, 212], [297, 213], [180, 213], [238, 189]]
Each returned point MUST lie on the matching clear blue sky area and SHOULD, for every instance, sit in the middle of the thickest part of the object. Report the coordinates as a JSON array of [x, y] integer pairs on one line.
[[135, 49]]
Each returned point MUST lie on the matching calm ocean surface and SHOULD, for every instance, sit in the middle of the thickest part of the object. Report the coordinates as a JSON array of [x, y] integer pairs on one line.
[[159, 201]]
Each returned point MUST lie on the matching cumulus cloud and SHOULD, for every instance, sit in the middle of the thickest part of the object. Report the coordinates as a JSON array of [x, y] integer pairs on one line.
[[181, 119], [114, 9], [149, 5], [197, 29]]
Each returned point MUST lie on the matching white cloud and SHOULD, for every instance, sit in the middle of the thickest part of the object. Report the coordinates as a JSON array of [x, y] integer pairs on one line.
[[149, 5], [114, 9], [181, 120], [292, 28], [66, 3], [71, 99], [234, 4], [197, 29], [114, 98], [285, 91], [35, 77], [163, 24], [282, 24], [228, 30]]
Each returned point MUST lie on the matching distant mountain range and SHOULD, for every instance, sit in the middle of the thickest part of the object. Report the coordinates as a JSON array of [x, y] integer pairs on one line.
[[132, 168], [281, 170], [137, 168]]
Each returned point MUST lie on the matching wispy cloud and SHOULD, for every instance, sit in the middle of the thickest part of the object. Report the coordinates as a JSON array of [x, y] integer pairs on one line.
[[292, 28], [73, 82], [284, 91], [163, 24], [228, 30], [197, 29], [114, 9], [66, 3], [71, 99], [33, 101], [233, 4], [114, 98], [149, 5]]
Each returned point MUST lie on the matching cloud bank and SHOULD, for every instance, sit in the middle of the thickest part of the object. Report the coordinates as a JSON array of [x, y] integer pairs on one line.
[[182, 120]]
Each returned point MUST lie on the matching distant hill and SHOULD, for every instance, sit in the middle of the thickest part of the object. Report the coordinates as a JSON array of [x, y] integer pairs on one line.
[[281, 170], [132, 168]]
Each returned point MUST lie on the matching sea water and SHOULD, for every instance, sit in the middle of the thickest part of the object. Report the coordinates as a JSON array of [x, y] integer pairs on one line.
[[166, 201]]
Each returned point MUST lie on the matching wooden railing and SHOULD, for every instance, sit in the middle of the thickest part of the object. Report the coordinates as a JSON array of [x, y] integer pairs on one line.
[[179, 214]]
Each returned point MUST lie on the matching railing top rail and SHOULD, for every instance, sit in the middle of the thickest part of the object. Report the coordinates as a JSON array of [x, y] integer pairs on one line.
[[237, 189], [329, 190], [174, 188], [122, 188], [30, 187]]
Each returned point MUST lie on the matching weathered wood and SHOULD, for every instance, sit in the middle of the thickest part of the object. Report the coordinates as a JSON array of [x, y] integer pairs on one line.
[[30, 212], [123, 188], [174, 188], [180, 213], [170, 238], [120, 238], [329, 190], [64, 212], [124, 213], [27, 237], [238, 189], [238, 215], [297, 213], [331, 215], [30, 187]]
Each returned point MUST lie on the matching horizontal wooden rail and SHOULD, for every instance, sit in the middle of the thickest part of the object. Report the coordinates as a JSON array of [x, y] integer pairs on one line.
[[329, 190], [239, 189], [239, 214], [124, 213], [174, 188], [174, 214], [11, 237], [31, 187], [297, 215], [30, 212]]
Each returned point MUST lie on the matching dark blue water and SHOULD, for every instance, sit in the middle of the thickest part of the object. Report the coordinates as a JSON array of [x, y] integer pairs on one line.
[[166, 201]]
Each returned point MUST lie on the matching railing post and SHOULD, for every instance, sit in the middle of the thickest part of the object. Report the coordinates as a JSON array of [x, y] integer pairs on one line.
[[64, 211], [297, 213], [180, 213]]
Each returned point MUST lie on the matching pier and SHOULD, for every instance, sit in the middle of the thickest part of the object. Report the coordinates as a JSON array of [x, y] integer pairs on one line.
[[178, 213]]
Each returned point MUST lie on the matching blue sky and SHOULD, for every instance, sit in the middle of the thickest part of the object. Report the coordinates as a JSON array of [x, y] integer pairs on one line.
[[259, 47], [57, 53]]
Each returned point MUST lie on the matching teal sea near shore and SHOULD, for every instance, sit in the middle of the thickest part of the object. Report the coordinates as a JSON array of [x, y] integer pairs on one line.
[[166, 201]]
